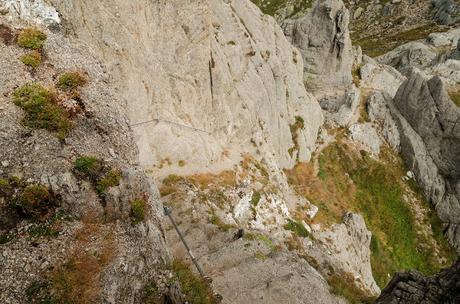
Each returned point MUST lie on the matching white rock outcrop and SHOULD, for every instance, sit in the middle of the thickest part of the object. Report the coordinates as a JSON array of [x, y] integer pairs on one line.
[[228, 77]]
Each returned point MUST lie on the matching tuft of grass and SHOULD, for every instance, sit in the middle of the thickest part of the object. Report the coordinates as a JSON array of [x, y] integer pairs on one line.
[[297, 227], [5, 238], [261, 238], [215, 220], [138, 210], [31, 38], [71, 81], [32, 59], [455, 97], [111, 179], [34, 201], [5, 187], [260, 256], [195, 289], [89, 166], [255, 198], [42, 110], [343, 285]]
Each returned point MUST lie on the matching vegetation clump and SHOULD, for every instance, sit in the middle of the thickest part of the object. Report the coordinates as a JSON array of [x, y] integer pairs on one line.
[[101, 175], [31, 38], [32, 59], [138, 207], [297, 227], [89, 165], [42, 110], [295, 127], [195, 289], [111, 179], [455, 97], [71, 81]]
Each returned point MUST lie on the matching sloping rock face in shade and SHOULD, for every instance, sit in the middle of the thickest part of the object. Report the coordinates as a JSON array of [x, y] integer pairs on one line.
[[446, 11], [323, 39], [429, 126], [412, 287], [229, 76]]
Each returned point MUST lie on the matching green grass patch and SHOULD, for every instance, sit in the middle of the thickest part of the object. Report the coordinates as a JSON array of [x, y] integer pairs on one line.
[[379, 196], [71, 81], [297, 227], [32, 59], [342, 285], [270, 7], [195, 289], [455, 97], [31, 38], [261, 238], [217, 221], [138, 207], [377, 45], [89, 166], [42, 110], [111, 179]]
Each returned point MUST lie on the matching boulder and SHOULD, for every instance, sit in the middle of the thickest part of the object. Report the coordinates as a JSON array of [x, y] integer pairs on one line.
[[413, 287]]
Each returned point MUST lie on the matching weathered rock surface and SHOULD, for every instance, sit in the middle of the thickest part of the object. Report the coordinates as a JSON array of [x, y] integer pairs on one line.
[[347, 247], [428, 122], [229, 76], [412, 287], [366, 137], [435, 56], [255, 268], [323, 39], [136, 253], [380, 77], [446, 11]]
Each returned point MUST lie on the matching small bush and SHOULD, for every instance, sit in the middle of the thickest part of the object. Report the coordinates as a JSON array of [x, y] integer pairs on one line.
[[138, 210], [31, 38], [5, 187], [32, 59], [296, 227], [111, 179], [89, 166], [71, 81], [34, 201], [42, 111]]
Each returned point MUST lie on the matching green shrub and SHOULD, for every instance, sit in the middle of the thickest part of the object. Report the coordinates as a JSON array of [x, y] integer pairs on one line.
[[42, 111], [5, 238], [34, 201], [5, 187], [138, 210], [32, 59], [89, 166], [111, 179], [296, 227], [31, 38], [71, 81]]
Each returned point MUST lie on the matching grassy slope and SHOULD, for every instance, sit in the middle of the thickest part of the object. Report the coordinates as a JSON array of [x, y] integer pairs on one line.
[[349, 181]]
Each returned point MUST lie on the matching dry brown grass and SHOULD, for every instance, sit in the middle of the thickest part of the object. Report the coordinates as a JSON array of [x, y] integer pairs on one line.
[[332, 196], [78, 280]]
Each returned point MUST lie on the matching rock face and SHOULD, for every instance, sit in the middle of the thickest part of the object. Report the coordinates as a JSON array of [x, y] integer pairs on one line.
[[323, 39], [134, 254], [347, 247], [434, 56], [229, 76], [38, 11], [446, 11], [428, 122], [412, 287]]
